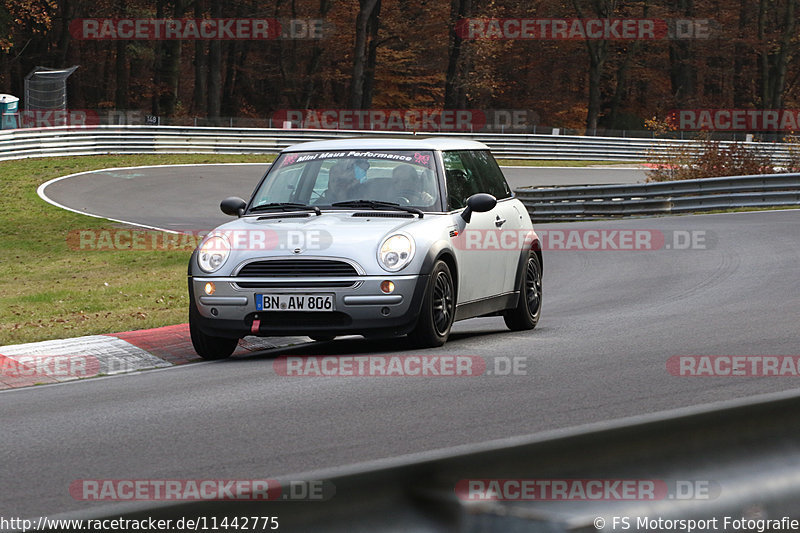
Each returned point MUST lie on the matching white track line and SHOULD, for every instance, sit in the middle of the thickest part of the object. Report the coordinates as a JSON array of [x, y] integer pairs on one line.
[[40, 190]]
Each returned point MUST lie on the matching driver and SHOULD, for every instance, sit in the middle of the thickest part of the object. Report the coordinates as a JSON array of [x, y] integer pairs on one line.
[[409, 186], [342, 183]]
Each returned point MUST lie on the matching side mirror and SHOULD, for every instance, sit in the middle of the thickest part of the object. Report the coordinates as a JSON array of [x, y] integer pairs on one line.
[[478, 203], [233, 206]]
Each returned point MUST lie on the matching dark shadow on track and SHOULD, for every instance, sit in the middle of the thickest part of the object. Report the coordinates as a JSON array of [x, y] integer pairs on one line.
[[356, 345]]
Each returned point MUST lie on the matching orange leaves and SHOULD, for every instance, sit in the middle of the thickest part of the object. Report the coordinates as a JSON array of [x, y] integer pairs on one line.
[[25, 16]]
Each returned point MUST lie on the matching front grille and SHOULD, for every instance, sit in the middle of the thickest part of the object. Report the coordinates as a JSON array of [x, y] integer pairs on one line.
[[293, 284], [298, 268]]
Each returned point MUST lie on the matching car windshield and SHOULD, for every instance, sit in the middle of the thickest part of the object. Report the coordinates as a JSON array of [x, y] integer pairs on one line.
[[406, 178]]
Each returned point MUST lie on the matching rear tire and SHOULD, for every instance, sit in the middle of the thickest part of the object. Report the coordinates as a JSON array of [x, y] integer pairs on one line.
[[206, 346], [438, 309], [529, 307]]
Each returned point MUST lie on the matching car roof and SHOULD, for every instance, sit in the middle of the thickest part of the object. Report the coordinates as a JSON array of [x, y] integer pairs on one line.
[[393, 143]]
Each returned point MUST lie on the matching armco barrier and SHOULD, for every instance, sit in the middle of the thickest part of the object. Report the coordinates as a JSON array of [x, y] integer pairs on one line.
[[104, 139], [561, 203], [740, 459], [583, 202]]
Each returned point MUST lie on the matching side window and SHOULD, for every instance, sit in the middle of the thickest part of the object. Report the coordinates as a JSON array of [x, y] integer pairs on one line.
[[462, 182], [489, 174]]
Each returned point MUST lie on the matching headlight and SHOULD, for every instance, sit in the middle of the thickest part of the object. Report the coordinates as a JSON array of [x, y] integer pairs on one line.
[[213, 253], [396, 252]]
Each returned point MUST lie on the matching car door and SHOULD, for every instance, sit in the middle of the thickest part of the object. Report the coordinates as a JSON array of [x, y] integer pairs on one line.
[[481, 271], [508, 225]]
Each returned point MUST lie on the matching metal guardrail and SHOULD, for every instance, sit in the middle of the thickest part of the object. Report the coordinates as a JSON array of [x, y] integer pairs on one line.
[[607, 201], [746, 453], [104, 139], [563, 203]]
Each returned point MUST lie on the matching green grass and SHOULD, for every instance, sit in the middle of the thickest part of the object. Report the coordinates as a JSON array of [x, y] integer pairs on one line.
[[527, 163], [49, 290]]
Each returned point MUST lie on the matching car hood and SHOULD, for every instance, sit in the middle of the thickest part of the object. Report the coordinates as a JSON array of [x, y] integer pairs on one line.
[[344, 225]]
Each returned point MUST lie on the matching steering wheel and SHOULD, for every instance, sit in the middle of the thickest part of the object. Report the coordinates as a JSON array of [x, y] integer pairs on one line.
[[405, 196]]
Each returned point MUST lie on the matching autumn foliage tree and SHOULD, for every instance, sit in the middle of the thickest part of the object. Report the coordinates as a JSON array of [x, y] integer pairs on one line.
[[404, 54]]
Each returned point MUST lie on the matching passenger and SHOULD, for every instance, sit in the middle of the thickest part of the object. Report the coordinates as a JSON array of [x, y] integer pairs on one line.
[[342, 184], [360, 169]]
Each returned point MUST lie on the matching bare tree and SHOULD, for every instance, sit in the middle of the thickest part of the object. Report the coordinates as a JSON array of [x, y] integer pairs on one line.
[[121, 65], [307, 91], [775, 53], [598, 54], [373, 25], [455, 78], [200, 64], [742, 94], [167, 63], [683, 74], [358, 81], [215, 69]]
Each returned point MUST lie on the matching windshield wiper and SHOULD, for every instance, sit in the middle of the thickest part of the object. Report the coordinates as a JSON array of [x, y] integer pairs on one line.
[[285, 206], [376, 204]]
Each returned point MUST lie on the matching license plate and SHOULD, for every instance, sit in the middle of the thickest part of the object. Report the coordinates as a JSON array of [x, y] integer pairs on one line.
[[294, 302]]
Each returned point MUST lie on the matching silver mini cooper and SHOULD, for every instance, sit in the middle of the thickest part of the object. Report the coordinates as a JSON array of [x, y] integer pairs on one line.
[[372, 237]]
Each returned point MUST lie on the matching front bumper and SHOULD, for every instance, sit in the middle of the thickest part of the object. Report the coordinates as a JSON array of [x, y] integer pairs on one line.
[[361, 309]]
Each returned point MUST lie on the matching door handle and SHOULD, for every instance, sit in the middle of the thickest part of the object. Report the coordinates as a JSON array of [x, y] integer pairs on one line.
[[499, 222]]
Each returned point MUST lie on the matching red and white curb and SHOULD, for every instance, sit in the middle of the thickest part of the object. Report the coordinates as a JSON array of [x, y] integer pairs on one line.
[[68, 359], [54, 361]]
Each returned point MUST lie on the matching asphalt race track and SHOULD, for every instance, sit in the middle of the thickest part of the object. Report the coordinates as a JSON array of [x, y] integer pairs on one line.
[[175, 198], [187, 197], [601, 175], [610, 322]]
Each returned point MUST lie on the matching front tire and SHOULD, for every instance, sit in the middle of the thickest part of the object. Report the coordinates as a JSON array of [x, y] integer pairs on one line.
[[207, 346], [529, 307], [438, 309]]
